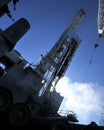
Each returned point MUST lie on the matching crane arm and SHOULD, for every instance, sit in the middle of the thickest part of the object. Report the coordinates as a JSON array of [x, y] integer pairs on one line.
[[101, 18]]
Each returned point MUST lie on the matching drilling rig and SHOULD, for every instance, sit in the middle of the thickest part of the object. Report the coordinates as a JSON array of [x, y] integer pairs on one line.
[[29, 90], [28, 98]]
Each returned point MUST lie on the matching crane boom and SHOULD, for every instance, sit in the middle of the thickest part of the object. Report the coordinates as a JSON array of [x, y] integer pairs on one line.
[[101, 18]]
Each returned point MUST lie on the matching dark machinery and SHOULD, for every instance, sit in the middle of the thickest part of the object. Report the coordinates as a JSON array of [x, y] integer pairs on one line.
[[27, 92], [4, 8]]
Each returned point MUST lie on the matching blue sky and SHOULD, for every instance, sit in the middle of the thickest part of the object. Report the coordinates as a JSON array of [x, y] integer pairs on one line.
[[48, 19]]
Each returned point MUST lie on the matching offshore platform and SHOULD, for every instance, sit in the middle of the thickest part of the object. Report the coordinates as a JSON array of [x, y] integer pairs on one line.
[[27, 92]]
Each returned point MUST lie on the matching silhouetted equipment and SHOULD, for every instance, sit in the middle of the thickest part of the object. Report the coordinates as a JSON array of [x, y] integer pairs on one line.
[[28, 88], [10, 36], [4, 9], [27, 92], [15, 2]]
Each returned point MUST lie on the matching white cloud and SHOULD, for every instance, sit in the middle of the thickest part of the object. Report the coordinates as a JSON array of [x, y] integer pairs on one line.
[[85, 99]]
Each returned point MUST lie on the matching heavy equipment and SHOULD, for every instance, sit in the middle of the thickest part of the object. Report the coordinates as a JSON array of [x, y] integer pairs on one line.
[[27, 92], [4, 8]]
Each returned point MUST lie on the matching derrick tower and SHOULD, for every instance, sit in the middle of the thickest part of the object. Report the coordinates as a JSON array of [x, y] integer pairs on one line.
[[55, 63], [26, 89]]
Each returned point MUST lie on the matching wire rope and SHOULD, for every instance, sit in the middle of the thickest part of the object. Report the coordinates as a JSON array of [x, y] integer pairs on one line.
[[91, 60]]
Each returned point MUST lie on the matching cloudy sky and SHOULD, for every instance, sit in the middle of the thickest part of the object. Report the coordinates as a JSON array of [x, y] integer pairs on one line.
[[85, 99], [48, 19]]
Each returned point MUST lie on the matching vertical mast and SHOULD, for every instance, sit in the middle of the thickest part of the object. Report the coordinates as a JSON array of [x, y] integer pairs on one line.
[[55, 63]]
